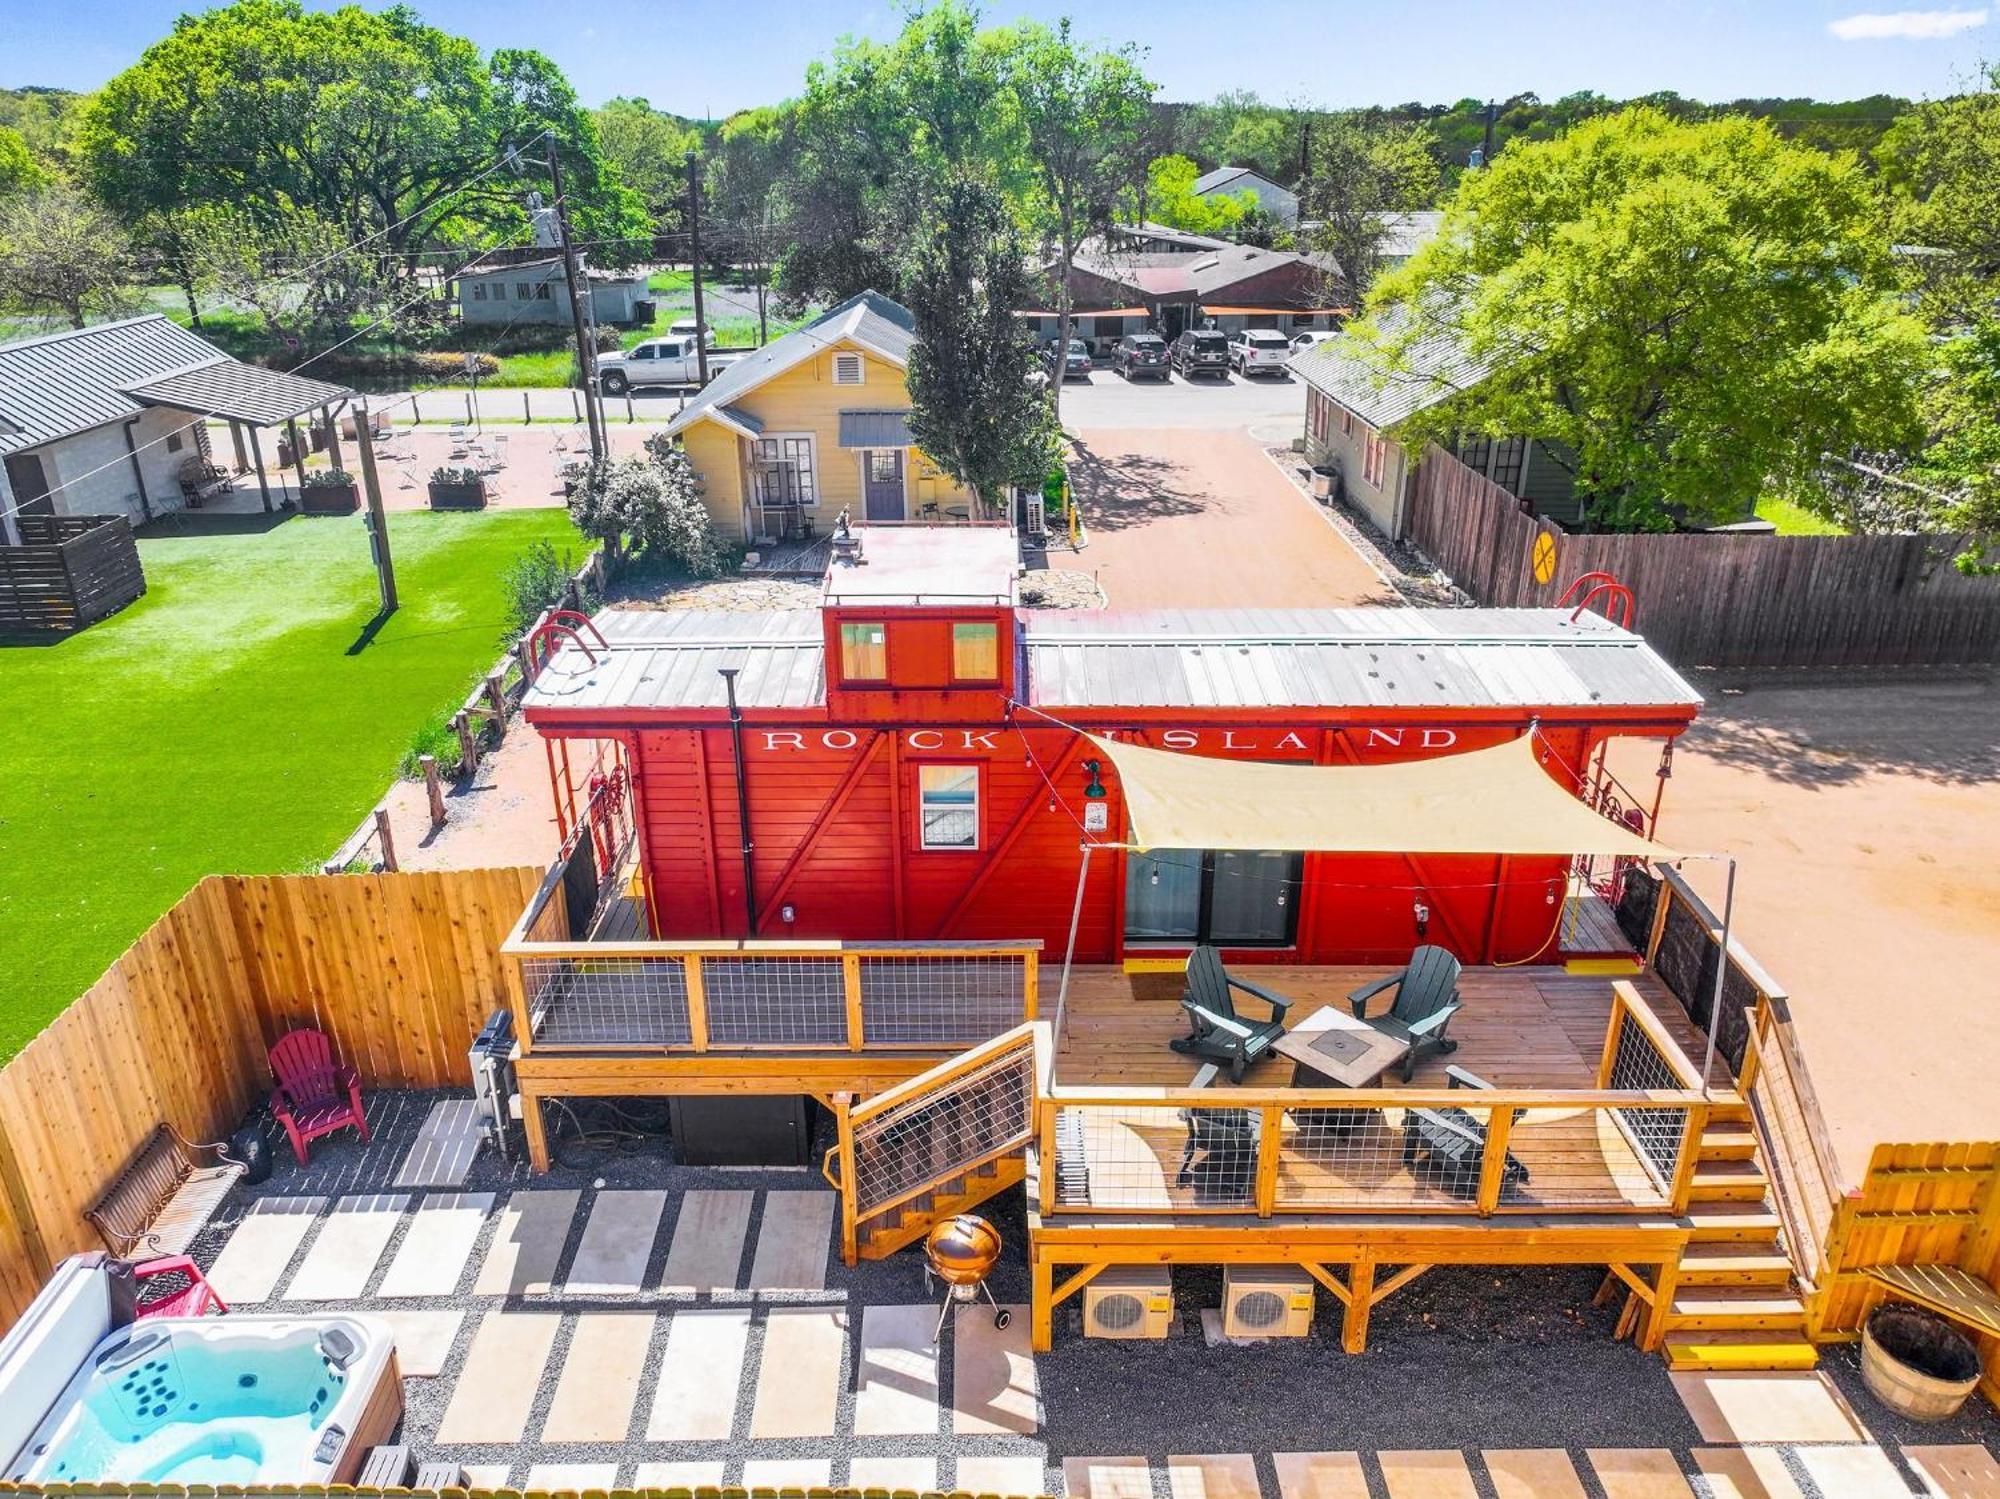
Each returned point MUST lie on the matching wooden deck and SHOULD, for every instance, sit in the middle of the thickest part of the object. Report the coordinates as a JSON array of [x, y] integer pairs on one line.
[[1521, 1027]]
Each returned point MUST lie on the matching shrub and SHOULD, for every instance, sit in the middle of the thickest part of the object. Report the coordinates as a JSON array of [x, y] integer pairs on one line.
[[328, 478], [441, 366], [436, 737], [446, 473], [682, 528], [653, 503], [534, 581]]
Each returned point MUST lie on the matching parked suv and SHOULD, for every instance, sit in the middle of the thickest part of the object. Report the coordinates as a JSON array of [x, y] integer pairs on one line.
[[1201, 352], [1076, 366], [1259, 351], [1141, 356]]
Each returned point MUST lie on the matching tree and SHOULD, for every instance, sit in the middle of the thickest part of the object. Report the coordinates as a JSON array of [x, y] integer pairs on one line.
[[1359, 172], [18, 169], [744, 166], [1082, 108], [1962, 452], [372, 121], [1238, 129], [972, 409], [295, 271], [1941, 162], [1693, 311], [61, 252], [1171, 199], [648, 150], [877, 130], [651, 503]]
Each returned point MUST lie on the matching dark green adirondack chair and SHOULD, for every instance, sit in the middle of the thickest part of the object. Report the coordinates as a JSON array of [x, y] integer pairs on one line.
[[1426, 999], [1216, 1031]]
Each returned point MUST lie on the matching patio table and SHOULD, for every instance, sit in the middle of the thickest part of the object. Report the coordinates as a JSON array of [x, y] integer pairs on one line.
[[1331, 1049]]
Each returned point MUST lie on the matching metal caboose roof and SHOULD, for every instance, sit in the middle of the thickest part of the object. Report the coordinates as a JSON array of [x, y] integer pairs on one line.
[[1343, 658], [671, 659]]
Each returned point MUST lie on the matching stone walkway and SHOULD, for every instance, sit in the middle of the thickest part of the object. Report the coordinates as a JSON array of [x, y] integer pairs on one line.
[[567, 1338]]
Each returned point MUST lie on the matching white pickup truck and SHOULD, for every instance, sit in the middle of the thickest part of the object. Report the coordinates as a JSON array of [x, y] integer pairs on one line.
[[658, 361]]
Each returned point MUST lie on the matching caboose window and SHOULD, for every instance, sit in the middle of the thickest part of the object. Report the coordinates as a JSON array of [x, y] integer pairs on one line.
[[864, 653], [975, 652], [948, 806]]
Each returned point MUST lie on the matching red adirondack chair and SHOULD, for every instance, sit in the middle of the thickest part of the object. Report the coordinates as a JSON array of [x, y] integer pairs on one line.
[[185, 1293], [315, 1095]]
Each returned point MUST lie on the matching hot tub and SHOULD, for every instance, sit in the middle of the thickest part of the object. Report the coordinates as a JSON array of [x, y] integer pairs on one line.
[[241, 1399]]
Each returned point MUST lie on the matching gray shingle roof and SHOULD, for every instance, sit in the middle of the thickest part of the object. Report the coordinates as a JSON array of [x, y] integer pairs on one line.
[[1435, 368], [867, 316], [65, 383], [1219, 180], [1403, 234]]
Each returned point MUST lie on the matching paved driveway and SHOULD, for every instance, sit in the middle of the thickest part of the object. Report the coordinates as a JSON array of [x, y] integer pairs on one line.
[[1186, 518], [1866, 820]]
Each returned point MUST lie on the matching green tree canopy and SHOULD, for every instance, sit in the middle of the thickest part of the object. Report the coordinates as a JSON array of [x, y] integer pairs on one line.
[[1362, 170], [1171, 199], [371, 121], [61, 253], [972, 408], [18, 168], [1941, 162], [1694, 310], [648, 150]]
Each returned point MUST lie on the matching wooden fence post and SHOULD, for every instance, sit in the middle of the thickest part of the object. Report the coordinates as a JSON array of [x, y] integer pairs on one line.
[[496, 694], [434, 785], [386, 839], [468, 742], [527, 417]]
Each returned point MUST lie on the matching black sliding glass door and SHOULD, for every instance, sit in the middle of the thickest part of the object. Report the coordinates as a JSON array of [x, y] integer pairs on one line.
[[1231, 899]]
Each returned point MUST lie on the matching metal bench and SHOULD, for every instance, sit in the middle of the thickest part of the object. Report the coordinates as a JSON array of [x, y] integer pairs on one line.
[[163, 1197], [200, 480]]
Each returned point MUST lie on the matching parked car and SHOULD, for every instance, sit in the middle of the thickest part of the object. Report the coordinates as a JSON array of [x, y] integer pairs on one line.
[[1076, 365], [1201, 352], [672, 360], [685, 328], [1305, 339], [1259, 351], [1141, 356]]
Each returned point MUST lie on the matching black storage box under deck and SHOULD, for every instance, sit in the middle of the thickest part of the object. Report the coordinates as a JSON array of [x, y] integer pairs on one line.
[[739, 1131]]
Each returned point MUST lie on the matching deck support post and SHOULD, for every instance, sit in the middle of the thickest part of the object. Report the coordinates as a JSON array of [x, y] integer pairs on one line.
[[1360, 1300], [1042, 1308], [1654, 1327], [532, 1127], [263, 479]]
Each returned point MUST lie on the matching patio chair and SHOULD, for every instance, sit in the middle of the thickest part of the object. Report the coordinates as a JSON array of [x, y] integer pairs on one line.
[[1448, 1145], [1220, 1157], [181, 1289], [1426, 999], [1216, 1031], [315, 1094]]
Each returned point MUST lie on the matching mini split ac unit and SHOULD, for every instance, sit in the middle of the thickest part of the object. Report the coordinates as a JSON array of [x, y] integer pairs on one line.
[[1129, 1301], [1266, 1301]]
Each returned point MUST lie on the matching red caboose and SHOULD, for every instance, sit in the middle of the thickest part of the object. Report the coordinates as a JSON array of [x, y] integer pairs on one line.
[[905, 761]]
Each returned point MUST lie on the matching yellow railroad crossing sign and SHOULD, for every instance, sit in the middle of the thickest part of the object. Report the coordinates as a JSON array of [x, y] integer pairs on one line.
[[1542, 558]]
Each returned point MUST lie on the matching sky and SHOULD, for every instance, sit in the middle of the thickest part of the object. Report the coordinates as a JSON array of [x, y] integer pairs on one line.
[[706, 58]]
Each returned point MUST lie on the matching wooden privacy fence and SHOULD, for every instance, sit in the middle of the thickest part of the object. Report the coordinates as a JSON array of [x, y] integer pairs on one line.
[[400, 970], [1721, 599], [69, 571]]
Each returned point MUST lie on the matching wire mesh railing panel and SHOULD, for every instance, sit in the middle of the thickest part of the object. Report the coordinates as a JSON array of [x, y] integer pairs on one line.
[[1655, 1133], [1585, 1159], [945, 1130], [775, 1001], [1156, 1158], [1350, 1158], [607, 1001], [941, 1001]]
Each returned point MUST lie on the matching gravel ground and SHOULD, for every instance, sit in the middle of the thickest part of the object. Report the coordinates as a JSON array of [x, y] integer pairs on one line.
[[1461, 1358]]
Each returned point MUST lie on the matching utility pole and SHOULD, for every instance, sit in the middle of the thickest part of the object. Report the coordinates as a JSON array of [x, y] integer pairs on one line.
[[378, 521], [694, 252], [586, 354], [1486, 146]]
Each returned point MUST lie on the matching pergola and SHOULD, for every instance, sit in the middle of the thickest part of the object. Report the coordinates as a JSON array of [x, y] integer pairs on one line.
[[250, 398]]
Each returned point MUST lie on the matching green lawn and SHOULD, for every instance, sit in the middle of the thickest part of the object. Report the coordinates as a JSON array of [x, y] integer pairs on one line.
[[235, 719], [1793, 519]]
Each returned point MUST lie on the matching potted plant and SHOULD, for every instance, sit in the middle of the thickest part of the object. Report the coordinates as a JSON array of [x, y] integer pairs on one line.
[[457, 488], [329, 491], [1916, 1363]]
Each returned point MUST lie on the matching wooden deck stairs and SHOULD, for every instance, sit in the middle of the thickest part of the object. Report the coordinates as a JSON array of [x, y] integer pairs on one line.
[[1737, 1304], [903, 1225]]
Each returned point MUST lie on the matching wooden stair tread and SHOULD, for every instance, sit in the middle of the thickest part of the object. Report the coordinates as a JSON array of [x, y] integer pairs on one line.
[[1725, 1262], [1745, 1351], [1747, 1305], [1727, 1220], [1728, 1142]]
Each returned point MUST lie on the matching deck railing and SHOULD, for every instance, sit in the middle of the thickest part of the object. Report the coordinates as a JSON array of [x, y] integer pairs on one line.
[[762, 996], [1626, 1146]]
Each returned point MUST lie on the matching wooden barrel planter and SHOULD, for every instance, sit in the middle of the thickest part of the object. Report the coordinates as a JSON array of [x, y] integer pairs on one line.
[[325, 498], [1916, 1363]]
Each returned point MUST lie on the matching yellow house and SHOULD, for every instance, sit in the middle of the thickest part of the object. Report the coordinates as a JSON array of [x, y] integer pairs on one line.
[[814, 423]]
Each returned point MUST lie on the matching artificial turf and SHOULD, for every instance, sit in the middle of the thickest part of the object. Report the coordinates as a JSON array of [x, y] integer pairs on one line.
[[239, 718]]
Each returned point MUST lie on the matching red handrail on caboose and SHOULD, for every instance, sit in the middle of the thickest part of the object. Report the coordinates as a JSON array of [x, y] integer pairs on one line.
[[567, 623], [1621, 610]]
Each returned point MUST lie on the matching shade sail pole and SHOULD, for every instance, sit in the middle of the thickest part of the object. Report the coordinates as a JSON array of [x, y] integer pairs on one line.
[[1721, 973], [1069, 953]]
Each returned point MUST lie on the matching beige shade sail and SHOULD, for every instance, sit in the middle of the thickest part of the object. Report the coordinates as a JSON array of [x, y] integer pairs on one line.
[[1486, 801]]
